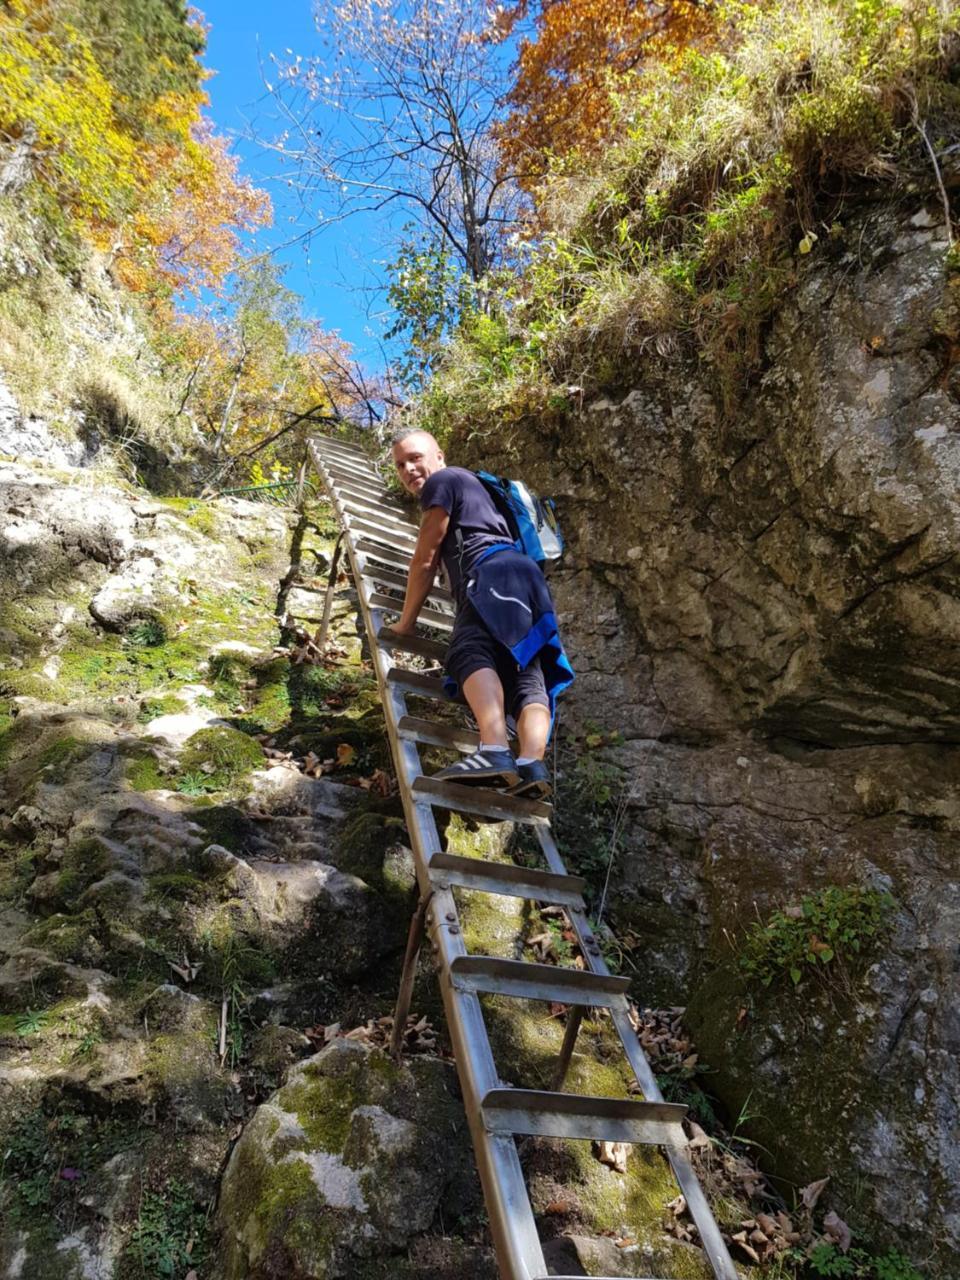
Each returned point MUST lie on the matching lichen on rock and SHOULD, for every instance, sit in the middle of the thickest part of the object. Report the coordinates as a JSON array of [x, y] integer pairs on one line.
[[340, 1166]]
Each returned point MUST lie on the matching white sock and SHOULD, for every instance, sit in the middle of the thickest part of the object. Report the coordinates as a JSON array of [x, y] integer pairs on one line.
[[493, 746], [526, 759]]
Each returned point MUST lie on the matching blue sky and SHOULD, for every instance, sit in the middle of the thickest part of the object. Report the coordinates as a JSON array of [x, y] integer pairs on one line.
[[335, 271]]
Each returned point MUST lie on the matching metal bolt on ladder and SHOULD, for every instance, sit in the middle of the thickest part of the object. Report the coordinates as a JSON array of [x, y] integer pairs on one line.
[[378, 539]]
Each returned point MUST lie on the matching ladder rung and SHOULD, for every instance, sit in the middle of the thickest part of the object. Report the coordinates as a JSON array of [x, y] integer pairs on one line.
[[412, 644], [416, 682], [498, 977], [367, 493], [361, 479], [393, 578], [359, 488], [376, 510], [363, 469], [367, 547], [438, 618], [479, 801], [341, 447], [437, 735], [508, 879], [398, 539], [571, 1115]]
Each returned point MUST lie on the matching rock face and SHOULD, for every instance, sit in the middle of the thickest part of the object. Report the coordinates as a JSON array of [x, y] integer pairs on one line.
[[340, 1168], [766, 604]]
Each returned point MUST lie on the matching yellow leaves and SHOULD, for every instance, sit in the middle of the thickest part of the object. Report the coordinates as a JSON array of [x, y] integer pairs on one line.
[[585, 53], [164, 193], [56, 101]]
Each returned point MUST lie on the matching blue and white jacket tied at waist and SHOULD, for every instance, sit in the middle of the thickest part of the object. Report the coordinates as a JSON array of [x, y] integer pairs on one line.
[[509, 592]]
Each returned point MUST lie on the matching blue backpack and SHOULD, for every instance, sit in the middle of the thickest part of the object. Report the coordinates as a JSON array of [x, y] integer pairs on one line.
[[531, 520]]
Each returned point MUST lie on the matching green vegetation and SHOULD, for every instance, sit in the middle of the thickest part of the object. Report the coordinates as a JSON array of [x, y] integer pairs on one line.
[[589, 787], [218, 759], [688, 232], [167, 1240], [832, 924], [39, 1147], [826, 1261]]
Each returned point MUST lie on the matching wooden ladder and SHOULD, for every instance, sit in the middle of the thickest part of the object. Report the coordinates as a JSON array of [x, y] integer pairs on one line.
[[378, 537]]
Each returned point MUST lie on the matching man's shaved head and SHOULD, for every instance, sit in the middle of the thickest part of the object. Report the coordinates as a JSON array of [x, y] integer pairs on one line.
[[416, 455]]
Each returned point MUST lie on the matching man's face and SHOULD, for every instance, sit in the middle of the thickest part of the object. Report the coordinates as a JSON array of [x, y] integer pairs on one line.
[[416, 458]]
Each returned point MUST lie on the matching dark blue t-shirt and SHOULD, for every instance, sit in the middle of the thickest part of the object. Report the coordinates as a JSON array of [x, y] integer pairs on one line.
[[472, 511]]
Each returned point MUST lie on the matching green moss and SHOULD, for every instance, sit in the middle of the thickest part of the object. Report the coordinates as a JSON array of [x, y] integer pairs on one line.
[[362, 843], [143, 773], [225, 825], [167, 704], [82, 864], [224, 755], [72, 938], [289, 1208], [181, 885], [64, 751]]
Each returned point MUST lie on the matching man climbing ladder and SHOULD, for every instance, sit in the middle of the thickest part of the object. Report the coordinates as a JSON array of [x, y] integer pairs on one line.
[[505, 652]]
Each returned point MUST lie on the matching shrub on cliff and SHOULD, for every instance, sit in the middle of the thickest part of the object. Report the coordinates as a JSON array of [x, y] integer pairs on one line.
[[685, 234]]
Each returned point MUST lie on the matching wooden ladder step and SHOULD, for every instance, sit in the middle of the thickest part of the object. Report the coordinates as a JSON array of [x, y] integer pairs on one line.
[[480, 801], [506, 879], [437, 735], [335, 442], [571, 1115], [437, 618], [496, 977]]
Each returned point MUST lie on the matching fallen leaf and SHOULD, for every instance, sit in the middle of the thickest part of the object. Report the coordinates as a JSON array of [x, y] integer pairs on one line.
[[699, 1138], [560, 1206], [346, 755], [837, 1230], [613, 1154], [810, 1194]]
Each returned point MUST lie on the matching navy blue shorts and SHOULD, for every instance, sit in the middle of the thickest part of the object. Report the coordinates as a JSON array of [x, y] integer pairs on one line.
[[473, 648]]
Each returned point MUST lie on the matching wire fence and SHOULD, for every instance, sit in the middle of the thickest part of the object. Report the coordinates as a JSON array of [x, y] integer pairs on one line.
[[281, 493]]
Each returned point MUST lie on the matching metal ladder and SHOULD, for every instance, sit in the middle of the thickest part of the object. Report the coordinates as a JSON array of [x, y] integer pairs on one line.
[[378, 538]]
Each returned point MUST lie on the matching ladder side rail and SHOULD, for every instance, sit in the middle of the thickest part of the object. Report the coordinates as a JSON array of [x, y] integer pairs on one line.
[[687, 1180], [516, 1240]]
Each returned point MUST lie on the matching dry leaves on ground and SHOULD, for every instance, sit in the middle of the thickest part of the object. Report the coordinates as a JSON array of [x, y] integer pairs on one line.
[[420, 1035]]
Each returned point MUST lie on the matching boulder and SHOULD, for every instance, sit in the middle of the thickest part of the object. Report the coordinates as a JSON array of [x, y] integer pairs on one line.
[[343, 1165]]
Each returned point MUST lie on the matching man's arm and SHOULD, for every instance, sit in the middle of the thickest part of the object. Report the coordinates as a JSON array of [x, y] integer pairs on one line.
[[423, 567]]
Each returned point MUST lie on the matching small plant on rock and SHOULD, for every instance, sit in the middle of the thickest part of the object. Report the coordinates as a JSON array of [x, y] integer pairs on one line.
[[831, 924]]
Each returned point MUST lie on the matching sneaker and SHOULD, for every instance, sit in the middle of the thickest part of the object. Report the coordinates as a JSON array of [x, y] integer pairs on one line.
[[534, 781], [496, 769]]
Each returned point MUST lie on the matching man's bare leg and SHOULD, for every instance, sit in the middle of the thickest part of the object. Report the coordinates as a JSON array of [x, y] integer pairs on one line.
[[484, 694], [533, 730]]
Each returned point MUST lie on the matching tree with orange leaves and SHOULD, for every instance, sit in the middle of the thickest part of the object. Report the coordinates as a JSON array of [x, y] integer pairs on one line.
[[577, 58]]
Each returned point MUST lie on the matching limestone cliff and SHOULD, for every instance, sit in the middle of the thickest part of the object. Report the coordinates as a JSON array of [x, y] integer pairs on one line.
[[766, 605]]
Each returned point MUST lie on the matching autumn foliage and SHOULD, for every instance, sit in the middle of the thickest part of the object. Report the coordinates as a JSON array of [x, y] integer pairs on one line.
[[580, 56], [130, 165]]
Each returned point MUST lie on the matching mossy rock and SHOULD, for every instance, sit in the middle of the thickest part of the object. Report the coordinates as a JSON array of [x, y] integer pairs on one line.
[[73, 938], [342, 1166], [224, 756]]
